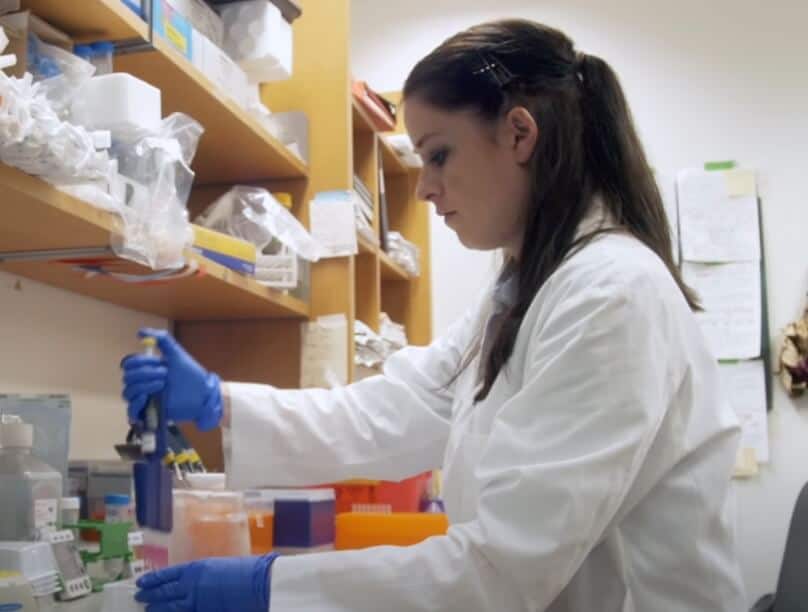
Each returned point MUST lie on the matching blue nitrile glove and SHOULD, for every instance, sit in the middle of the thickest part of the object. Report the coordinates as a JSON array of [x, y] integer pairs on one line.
[[187, 391], [226, 584]]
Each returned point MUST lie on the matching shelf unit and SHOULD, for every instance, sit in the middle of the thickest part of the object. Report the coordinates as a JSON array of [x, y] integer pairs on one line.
[[41, 218], [230, 323], [390, 270]]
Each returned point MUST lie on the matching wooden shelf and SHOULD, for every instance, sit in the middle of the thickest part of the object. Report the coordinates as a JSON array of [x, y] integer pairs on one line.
[[39, 217], [390, 159], [366, 247], [393, 165], [390, 270], [361, 119], [234, 148], [95, 20]]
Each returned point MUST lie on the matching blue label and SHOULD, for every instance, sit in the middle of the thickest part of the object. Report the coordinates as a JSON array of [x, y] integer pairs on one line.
[[12, 607]]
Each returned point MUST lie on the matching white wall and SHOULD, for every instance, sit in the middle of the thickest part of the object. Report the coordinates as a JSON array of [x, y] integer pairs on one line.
[[706, 80], [52, 341]]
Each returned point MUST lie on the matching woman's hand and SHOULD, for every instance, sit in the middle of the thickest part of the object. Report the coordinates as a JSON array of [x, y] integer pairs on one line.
[[187, 392], [232, 584]]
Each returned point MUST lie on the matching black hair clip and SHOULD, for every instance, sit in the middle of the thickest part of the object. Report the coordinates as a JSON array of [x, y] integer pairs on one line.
[[490, 65]]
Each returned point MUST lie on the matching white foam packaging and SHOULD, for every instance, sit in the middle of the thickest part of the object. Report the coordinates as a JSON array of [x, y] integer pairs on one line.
[[217, 66], [259, 39], [119, 103]]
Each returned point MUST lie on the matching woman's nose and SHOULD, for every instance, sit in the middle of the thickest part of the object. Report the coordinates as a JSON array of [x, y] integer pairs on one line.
[[426, 189]]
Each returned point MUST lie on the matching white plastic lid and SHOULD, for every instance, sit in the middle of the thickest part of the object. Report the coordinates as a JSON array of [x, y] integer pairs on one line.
[[209, 481], [71, 503], [276, 495], [14, 433]]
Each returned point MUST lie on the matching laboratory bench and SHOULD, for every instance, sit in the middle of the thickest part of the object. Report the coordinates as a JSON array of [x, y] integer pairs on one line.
[[91, 603]]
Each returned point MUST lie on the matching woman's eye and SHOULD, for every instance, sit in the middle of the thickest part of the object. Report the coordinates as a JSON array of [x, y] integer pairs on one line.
[[438, 158]]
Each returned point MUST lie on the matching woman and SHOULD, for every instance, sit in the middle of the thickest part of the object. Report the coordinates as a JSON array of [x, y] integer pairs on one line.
[[576, 410]]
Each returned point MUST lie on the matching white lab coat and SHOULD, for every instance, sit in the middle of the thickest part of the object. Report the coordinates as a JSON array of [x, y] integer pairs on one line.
[[594, 478]]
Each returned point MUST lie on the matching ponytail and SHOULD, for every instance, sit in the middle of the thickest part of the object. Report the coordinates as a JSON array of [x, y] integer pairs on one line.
[[616, 162]]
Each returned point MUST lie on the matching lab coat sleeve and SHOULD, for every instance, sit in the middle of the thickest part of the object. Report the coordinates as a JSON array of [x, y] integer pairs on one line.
[[387, 427], [560, 457]]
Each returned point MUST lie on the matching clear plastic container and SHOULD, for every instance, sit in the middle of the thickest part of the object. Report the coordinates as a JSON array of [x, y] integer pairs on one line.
[[209, 524], [30, 489], [34, 560]]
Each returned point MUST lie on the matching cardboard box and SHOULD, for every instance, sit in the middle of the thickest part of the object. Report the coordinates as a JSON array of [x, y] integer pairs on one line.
[[18, 26]]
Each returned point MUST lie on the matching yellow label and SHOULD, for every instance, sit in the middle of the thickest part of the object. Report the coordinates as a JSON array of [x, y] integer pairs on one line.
[[176, 37]]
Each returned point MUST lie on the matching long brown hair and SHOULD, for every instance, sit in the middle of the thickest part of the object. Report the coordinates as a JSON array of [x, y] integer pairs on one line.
[[587, 147]]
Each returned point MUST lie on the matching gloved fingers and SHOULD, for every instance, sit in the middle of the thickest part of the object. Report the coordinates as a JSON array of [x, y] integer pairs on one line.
[[168, 592], [163, 576], [144, 373], [135, 408], [136, 360], [143, 388], [165, 341]]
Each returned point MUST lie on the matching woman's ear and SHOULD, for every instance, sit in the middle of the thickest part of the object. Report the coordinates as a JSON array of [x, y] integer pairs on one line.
[[522, 133]]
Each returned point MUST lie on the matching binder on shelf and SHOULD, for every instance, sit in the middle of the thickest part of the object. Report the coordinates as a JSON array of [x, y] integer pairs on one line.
[[384, 223], [381, 112]]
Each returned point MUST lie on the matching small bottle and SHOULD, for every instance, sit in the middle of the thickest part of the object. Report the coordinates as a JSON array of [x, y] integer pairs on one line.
[[118, 509], [30, 489], [102, 57], [71, 508]]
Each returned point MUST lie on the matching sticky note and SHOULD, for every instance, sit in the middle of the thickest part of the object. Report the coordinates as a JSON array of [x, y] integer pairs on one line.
[[740, 183], [746, 464]]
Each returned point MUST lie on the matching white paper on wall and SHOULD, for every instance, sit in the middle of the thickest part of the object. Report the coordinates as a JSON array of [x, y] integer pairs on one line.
[[718, 216], [744, 384], [730, 295]]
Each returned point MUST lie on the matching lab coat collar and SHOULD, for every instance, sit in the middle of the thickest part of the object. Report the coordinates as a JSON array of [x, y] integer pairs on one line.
[[598, 217]]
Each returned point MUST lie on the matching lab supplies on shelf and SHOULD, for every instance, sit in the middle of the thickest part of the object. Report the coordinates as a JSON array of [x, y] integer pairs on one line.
[[234, 253], [259, 39], [364, 211], [119, 103], [404, 253], [402, 145], [202, 17], [256, 216]]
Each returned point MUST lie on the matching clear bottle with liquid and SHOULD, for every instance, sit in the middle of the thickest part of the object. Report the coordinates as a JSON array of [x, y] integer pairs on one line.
[[30, 489]]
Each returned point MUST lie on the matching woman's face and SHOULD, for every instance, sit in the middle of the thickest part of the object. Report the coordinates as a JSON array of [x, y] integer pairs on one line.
[[476, 173]]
